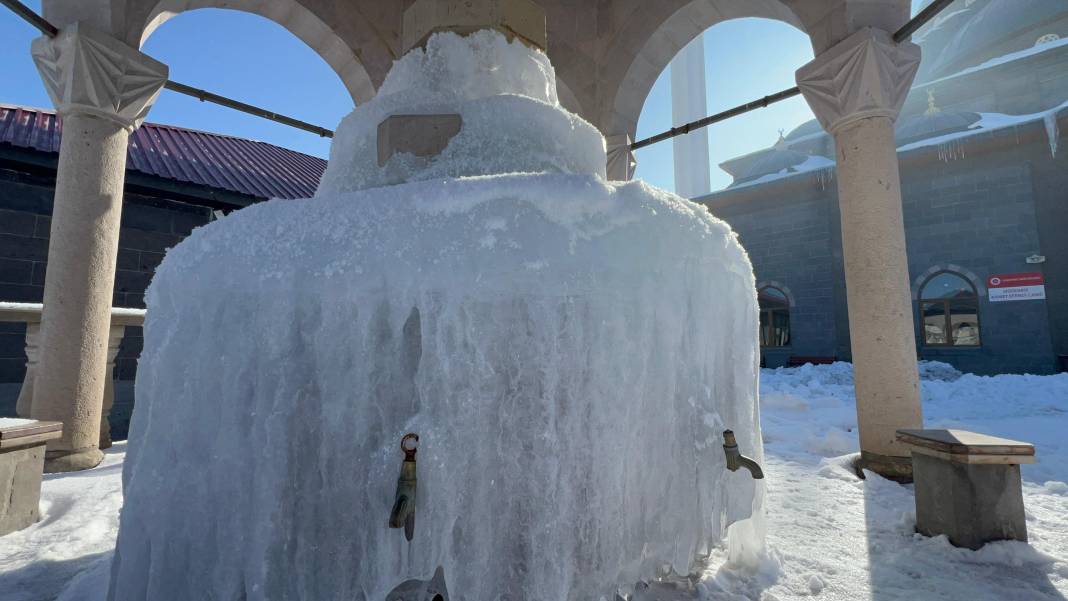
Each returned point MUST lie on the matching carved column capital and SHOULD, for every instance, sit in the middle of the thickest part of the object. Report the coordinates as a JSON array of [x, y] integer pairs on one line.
[[89, 72], [865, 75]]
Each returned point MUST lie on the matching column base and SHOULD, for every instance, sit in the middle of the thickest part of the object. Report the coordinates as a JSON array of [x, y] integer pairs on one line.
[[72, 461], [891, 467]]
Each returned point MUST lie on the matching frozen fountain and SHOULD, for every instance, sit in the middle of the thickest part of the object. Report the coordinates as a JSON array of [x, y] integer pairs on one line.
[[568, 350]]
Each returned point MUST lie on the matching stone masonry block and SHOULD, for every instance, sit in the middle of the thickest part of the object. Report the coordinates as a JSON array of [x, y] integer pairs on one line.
[[970, 504], [420, 135], [20, 487], [22, 454], [522, 19]]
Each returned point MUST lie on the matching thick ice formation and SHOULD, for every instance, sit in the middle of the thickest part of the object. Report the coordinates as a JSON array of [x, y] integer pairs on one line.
[[568, 349]]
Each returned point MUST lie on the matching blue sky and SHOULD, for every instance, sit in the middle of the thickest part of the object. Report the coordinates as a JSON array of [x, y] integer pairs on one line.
[[254, 60]]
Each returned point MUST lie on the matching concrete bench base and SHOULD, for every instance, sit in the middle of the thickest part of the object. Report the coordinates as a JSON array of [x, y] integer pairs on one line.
[[20, 487], [22, 455], [972, 504]]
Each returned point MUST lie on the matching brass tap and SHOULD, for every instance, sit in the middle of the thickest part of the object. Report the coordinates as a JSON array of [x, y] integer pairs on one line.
[[736, 460], [403, 514]]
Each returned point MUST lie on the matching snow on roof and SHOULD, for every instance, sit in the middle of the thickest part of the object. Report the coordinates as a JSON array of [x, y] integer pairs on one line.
[[1000, 60], [812, 163], [994, 121], [988, 122]]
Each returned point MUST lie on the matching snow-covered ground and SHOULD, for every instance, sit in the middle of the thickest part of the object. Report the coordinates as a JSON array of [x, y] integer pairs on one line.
[[831, 535]]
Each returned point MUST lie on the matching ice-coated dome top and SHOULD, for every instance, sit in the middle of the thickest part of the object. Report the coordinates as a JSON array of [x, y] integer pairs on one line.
[[980, 30], [485, 79], [932, 124]]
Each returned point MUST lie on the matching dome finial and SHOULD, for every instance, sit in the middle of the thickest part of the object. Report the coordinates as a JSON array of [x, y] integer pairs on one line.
[[932, 109]]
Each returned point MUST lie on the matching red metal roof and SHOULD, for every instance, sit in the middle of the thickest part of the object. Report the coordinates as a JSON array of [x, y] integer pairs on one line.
[[185, 155]]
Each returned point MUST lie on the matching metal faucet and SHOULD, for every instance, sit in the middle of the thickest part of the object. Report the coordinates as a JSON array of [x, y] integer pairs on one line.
[[736, 460], [403, 514]]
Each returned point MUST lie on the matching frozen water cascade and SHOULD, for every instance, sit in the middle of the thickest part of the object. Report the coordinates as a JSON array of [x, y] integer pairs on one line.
[[568, 349]]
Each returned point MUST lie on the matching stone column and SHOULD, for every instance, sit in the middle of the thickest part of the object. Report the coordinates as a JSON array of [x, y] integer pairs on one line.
[[856, 89], [103, 89]]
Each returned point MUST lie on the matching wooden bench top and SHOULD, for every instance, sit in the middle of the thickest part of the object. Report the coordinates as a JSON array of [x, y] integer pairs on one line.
[[967, 447], [27, 432]]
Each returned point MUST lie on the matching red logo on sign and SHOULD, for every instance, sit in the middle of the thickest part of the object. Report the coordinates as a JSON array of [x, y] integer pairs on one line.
[[1012, 280]]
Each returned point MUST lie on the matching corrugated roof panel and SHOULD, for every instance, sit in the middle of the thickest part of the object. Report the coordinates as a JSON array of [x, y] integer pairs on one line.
[[185, 155]]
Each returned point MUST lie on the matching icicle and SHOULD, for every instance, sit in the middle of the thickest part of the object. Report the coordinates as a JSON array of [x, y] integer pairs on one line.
[[824, 176], [951, 150], [1052, 131]]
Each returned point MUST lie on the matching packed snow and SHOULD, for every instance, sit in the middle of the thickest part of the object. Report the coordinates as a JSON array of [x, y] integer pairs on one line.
[[831, 535], [568, 349]]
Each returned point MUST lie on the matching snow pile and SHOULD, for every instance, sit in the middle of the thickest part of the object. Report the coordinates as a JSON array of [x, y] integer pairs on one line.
[[937, 370], [858, 536], [569, 351], [76, 533], [1022, 407]]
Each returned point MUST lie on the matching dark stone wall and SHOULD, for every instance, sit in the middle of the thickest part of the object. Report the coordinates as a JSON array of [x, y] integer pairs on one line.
[[790, 244], [985, 213], [1049, 187], [150, 225], [979, 214]]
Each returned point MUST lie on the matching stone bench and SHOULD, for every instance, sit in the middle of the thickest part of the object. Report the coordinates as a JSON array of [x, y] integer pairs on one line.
[[968, 485], [22, 454]]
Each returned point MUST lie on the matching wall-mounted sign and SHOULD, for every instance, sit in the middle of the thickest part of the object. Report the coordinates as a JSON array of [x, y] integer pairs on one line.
[[1016, 286]]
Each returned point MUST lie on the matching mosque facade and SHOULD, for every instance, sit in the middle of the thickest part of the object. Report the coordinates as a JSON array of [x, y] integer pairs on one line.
[[984, 175]]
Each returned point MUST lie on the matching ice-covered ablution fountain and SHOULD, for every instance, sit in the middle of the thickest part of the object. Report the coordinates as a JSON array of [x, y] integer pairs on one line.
[[568, 350]]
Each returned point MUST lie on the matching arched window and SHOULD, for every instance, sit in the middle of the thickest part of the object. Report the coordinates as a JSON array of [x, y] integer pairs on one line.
[[774, 317], [949, 310]]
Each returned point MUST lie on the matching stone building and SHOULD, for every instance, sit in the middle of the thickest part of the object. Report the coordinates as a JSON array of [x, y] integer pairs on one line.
[[176, 179], [984, 177]]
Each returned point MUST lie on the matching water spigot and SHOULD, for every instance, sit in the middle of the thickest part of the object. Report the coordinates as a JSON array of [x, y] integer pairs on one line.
[[736, 460], [403, 514]]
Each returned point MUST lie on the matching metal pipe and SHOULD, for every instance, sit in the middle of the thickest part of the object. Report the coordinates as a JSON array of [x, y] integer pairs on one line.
[[727, 114], [31, 17], [48, 29], [206, 96], [921, 19]]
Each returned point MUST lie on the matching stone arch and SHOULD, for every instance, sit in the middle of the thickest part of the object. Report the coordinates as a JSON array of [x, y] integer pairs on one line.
[[976, 281], [780, 286], [645, 62], [290, 14]]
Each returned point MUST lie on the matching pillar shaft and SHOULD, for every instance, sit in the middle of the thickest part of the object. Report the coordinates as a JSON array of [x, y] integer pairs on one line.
[[856, 90], [79, 285], [877, 285], [102, 89]]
